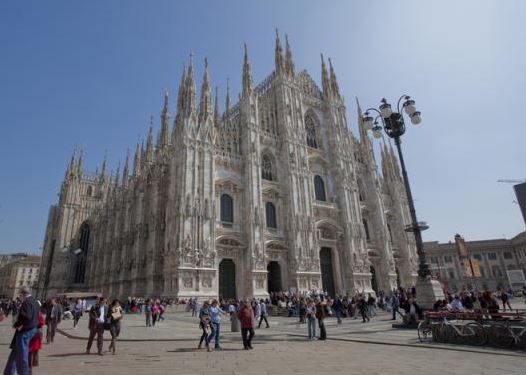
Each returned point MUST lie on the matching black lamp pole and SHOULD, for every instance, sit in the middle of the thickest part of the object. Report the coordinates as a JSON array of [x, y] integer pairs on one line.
[[394, 127]]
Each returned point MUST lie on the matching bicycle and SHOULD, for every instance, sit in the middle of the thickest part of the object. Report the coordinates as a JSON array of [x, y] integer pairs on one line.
[[503, 335], [472, 333]]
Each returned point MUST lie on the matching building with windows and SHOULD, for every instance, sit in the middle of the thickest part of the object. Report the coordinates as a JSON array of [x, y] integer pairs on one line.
[[21, 271], [273, 193], [491, 258]]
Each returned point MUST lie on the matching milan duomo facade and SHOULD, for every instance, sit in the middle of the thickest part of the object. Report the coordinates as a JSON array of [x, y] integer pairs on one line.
[[274, 193]]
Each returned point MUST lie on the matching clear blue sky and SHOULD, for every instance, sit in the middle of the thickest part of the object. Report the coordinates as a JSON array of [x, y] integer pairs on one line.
[[90, 73]]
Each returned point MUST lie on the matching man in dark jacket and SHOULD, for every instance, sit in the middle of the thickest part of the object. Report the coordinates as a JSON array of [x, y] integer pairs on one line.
[[248, 321], [321, 313], [98, 316], [26, 328], [53, 318]]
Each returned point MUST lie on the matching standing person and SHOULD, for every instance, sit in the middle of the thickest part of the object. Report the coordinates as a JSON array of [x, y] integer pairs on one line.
[[371, 305], [26, 324], [205, 325], [248, 321], [115, 317], [263, 312], [193, 306], [148, 313], [77, 312], [98, 315], [215, 317], [321, 313], [53, 317], [36, 344], [310, 312], [395, 305]]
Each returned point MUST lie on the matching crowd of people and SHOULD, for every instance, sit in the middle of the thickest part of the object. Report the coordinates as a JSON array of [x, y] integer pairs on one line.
[[311, 308]]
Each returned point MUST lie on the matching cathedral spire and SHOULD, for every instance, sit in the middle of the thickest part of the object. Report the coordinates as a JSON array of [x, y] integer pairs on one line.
[[278, 56], [126, 171], [205, 105], [190, 88], [165, 119], [80, 163], [216, 109], [227, 99], [289, 62], [247, 76], [325, 80], [149, 142], [71, 165], [181, 93], [137, 161], [334, 82]]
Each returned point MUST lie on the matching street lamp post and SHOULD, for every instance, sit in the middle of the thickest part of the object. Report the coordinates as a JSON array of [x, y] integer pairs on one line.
[[394, 126]]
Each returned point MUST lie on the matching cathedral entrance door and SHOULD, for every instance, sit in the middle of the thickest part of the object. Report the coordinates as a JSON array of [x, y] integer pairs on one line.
[[374, 280], [274, 277], [327, 277], [227, 279]]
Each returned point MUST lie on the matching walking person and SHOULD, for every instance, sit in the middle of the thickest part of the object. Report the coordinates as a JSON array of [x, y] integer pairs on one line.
[[115, 318], [53, 318], [247, 319], [321, 313], [36, 344], [155, 312], [205, 324], [77, 313], [337, 306], [363, 307], [98, 316], [371, 306], [505, 300], [25, 326], [215, 317], [310, 312], [263, 312]]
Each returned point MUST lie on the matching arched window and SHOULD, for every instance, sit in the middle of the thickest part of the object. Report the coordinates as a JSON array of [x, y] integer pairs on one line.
[[82, 254], [310, 129], [319, 188], [270, 211], [366, 228], [227, 208], [266, 168]]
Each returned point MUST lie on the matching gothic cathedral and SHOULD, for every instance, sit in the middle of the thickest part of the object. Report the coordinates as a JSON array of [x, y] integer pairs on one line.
[[273, 194]]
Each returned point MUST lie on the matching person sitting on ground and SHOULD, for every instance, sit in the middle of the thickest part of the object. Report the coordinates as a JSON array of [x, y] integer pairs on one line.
[[456, 304]]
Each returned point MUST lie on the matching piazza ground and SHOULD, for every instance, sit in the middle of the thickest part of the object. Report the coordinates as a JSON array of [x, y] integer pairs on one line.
[[171, 348]]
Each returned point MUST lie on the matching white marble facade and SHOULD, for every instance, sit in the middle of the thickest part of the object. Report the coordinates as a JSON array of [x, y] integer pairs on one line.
[[222, 199]]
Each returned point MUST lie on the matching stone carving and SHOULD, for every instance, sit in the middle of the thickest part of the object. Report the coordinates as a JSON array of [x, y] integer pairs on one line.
[[188, 282]]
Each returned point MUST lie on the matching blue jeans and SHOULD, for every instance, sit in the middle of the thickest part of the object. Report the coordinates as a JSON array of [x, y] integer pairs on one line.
[[18, 360], [311, 323], [215, 334]]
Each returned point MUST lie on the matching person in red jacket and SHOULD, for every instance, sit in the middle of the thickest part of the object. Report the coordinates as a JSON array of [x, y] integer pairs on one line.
[[36, 344], [248, 320]]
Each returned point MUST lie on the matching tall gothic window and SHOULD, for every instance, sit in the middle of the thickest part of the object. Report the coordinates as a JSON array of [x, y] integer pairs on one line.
[[270, 211], [266, 168], [227, 209], [319, 188], [310, 129], [366, 228], [80, 264]]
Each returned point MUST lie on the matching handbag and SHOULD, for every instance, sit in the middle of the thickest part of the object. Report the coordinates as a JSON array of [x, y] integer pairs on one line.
[[116, 315]]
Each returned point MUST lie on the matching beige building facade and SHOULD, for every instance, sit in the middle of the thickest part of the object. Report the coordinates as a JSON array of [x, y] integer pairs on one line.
[[273, 193], [492, 258], [21, 271]]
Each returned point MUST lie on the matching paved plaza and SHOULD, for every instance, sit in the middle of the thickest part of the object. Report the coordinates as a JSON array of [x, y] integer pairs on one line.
[[171, 348]]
